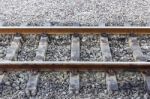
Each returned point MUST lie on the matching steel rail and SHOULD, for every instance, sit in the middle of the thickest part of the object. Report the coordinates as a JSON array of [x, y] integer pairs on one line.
[[72, 65], [75, 29]]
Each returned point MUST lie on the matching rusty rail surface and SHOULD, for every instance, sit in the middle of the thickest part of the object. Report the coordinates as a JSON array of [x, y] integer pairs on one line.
[[75, 29]]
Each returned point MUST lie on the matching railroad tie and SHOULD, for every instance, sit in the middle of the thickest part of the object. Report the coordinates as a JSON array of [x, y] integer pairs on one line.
[[75, 56], [1, 80], [138, 56], [74, 83], [75, 48], [146, 76], [42, 48], [106, 54], [2, 74], [31, 88], [12, 50], [111, 80], [1, 77], [135, 47], [137, 52]]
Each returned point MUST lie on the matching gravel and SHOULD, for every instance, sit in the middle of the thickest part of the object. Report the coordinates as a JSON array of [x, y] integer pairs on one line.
[[53, 85], [85, 12], [14, 82], [92, 84], [27, 51], [90, 48], [59, 48], [131, 84], [120, 48], [144, 42], [4, 43]]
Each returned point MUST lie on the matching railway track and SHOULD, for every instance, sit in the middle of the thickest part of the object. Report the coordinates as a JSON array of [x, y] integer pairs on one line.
[[107, 49], [76, 41]]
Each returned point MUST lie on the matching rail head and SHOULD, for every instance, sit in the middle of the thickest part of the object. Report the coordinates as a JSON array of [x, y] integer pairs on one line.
[[73, 29], [72, 65]]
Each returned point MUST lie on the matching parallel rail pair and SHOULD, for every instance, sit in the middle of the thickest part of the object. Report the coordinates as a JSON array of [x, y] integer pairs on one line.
[[141, 62]]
